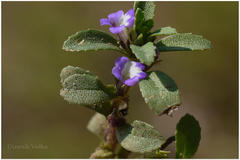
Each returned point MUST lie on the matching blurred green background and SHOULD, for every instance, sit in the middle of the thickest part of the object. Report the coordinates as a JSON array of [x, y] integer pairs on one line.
[[33, 113]]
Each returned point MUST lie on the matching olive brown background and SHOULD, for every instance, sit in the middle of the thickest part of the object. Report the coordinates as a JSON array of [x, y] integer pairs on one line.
[[38, 123]]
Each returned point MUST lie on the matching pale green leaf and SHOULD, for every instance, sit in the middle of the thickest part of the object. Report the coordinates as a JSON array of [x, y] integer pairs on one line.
[[139, 137], [164, 31], [82, 82], [188, 135], [70, 70], [91, 40], [145, 53], [147, 7], [84, 88], [183, 42], [160, 92], [96, 100], [97, 125]]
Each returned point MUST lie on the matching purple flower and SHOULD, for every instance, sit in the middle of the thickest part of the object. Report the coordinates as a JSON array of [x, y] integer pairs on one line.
[[129, 72], [119, 22]]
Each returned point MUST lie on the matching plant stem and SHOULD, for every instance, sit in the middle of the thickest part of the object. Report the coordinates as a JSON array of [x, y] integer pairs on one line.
[[168, 141], [110, 137]]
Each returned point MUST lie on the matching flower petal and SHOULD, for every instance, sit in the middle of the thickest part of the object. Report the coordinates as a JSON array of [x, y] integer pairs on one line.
[[142, 75], [105, 21], [124, 68], [140, 65], [130, 22], [130, 13], [131, 81], [121, 61], [115, 17], [117, 72], [119, 65], [116, 30]]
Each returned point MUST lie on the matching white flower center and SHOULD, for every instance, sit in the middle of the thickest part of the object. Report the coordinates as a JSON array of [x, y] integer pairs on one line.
[[130, 70], [124, 19]]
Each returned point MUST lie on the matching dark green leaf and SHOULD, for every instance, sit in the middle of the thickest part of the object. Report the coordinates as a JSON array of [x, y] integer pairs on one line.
[[188, 135], [164, 31], [139, 137], [183, 42], [160, 92], [145, 53], [91, 40], [147, 26], [97, 125], [147, 7], [139, 39], [139, 20], [84, 88], [142, 26]]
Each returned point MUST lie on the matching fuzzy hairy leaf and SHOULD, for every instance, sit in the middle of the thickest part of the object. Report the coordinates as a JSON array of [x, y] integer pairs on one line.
[[188, 135], [164, 31], [70, 70], [147, 7], [82, 87], [96, 100], [139, 137], [145, 53], [82, 82], [97, 125], [91, 40], [183, 42], [160, 92]]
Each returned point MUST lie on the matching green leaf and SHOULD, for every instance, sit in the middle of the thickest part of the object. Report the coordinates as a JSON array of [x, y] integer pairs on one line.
[[91, 40], [147, 7], [160, 92], [183, 42], [142, 26], [70, 70], [164, 31], [97, 125], [145, 53], [139, 39], [188, 135], [84, 88], [82, 82], [139, 137], [144, 13]]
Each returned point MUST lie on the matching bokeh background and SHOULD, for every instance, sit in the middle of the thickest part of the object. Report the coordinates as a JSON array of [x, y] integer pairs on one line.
[[33, 113]]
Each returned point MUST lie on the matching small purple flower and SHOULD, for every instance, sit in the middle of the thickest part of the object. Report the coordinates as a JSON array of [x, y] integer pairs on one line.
[[129, 72], [119, 22]]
